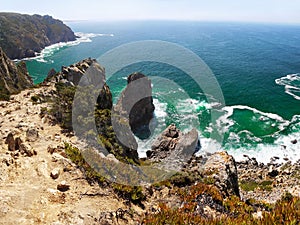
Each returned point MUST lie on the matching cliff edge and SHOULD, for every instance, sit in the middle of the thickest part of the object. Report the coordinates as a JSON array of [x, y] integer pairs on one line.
[[23, 35], [13, 78]]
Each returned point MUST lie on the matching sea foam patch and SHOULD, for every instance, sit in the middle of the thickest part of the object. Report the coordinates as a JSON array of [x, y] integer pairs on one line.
[[291, 84], [52, 49], [283, 142]]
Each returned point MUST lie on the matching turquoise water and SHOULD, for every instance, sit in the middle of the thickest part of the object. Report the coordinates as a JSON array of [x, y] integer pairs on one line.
[[256, 66]]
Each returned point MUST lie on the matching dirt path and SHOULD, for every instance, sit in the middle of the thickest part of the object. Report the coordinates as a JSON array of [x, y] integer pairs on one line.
[[28, 195]]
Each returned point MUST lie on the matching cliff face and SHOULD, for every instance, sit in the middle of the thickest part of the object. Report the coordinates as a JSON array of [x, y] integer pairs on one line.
[[13, 78], [23, 35], [71, 118], [136, 101]]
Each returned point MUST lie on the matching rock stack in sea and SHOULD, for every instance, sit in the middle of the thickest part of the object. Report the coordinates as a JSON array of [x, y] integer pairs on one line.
[[136, 104]]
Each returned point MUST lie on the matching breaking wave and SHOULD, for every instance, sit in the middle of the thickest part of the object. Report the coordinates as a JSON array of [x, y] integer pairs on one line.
[[291, 84], [52, 49]]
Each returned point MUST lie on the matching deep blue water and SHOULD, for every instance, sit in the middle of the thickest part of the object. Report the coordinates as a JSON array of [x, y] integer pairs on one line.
[[246, 59]]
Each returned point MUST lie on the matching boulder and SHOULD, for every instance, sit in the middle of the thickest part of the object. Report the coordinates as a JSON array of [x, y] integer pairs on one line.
[[173, 148], [18, 143], [112, 158], [63, 186], [10, 141], [27, 150], [221, 167], [55, 173], [42, 169], [32, 134], [165, 143]]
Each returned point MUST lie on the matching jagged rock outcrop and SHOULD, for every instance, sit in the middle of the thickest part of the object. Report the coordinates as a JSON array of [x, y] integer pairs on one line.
[[13, 78], [221, 168], [136, 104], [87, 79], [23, 35], [71, 75], [174, 148]]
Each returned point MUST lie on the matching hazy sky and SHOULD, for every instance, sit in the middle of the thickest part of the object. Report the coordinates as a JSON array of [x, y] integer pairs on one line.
[[282, 11]]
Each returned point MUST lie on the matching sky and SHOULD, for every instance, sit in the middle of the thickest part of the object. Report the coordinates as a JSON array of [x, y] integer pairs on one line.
[[269, 11]]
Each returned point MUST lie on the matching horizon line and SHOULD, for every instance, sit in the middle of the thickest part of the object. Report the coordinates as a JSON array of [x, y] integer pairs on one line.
[[182, 20]]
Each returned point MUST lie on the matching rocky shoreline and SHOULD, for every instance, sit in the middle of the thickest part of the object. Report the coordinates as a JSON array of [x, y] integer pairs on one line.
[[24, 35], [267, 182], [46, 180]]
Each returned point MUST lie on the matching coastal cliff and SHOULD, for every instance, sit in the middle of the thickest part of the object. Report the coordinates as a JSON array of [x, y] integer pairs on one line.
[[66, 83], [47, 177], [136, 104], [13, 78], [23, 35]]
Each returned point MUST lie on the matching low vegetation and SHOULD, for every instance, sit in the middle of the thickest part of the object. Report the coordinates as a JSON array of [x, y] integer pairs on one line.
[[265, 185], [22, 35], [62, 111], [200, 202], [231, 211], [129, 193]]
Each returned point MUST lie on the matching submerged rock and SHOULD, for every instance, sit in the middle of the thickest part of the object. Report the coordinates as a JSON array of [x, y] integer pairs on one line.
[[294, 141]]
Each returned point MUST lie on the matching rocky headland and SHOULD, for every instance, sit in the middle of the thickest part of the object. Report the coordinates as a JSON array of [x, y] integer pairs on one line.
[[47, 177], [21, 36]]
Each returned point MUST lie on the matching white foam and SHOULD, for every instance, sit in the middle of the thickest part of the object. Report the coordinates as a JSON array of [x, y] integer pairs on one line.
[[50, 50], [158, 126], [244, 107], [160, 109], [290, 87], [224, 122], [208, 145], [282, 148], [292, 94]]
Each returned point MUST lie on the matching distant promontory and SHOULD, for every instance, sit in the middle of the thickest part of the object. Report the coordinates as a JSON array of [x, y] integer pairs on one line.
[[23, 35]]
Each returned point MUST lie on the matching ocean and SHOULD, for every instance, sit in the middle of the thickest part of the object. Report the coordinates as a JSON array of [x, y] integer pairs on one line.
[[257, 67]]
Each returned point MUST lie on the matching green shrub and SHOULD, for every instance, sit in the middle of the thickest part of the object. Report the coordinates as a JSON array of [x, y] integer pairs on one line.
[[252, 185]]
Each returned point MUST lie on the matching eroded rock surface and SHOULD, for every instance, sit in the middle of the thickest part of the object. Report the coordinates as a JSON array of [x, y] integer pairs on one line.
[[136, 104], [13, 78], [23, 35]]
